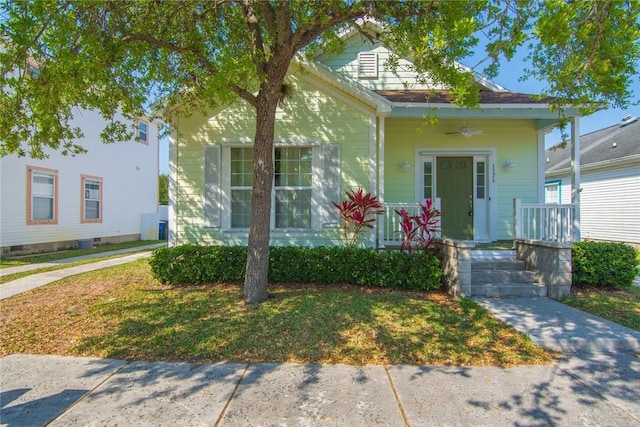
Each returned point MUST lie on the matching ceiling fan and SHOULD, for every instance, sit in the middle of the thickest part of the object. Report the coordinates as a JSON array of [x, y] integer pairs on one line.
[[466, 132]]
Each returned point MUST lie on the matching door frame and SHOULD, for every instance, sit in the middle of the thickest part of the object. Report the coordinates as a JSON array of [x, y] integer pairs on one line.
[[489, 155]]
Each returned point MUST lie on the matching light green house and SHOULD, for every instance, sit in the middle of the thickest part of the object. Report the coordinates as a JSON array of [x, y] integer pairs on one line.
[[350, 124]]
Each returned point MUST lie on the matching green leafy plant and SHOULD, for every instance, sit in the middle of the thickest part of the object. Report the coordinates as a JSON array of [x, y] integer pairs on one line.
[[358, 214], [419, 229], [603, 264], [192, 264]]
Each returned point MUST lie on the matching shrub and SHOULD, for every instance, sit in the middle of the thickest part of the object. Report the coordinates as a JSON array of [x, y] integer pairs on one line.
[[358, 213], [603, 264], [192, 264]]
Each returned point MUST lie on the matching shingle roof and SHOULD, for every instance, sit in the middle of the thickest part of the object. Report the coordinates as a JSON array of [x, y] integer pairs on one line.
[[442, 96], [611, 143]]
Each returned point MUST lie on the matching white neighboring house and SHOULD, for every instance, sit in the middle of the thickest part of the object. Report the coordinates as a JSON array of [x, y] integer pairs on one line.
[[107, 195], [610, 182]]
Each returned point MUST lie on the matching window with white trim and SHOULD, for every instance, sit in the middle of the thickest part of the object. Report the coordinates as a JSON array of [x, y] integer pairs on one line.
[[552, 193], [42, 186], [241, 170], [92, 199], [306, 180], [293, 187]]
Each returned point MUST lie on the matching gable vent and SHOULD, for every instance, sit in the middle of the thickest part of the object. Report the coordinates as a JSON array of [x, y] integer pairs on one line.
[[367, 65]]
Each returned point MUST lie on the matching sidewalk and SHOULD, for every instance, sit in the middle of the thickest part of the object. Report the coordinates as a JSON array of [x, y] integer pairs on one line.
[[33, 281], [66, 391]]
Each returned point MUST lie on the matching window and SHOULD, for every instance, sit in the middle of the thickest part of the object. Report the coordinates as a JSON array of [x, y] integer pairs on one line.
[[42, 191], [427, 170], [552, 193], [241, 184], [481, 186], [91, 199], [143, 132], [292, 184], [306, 180], [367, 65]]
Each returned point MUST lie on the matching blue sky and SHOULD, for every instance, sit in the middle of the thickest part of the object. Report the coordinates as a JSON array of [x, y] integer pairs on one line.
[[508, 78]]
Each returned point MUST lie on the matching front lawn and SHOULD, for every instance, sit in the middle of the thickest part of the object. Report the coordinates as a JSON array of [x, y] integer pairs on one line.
[[16, 261], [122, 312], [621, 306]]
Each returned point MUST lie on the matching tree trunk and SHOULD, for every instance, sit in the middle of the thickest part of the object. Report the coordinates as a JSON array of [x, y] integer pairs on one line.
[[256, 276]]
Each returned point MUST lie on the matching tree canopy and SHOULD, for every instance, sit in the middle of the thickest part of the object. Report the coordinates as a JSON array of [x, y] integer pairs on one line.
[[128, 56]]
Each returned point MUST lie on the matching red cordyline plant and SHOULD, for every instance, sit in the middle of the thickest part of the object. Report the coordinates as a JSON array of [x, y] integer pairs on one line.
[[358, 213], [420, 228]]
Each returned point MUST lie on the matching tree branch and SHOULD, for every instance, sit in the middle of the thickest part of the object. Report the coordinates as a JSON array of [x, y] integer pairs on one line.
[[204, 61], [259, 51]]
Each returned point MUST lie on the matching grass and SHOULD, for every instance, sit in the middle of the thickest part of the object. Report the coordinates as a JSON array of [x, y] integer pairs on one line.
[[17, 261], [122, 312], [62, 255], [621, 306]]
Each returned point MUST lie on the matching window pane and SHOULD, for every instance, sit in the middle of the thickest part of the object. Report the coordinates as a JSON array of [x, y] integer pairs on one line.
[[240, 208], [42, 185], [92, 209], [241, 167], [428, 180], [42, 208], [293, 208], [293, 167]]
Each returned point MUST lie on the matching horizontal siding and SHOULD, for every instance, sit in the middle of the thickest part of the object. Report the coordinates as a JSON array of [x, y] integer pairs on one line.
[[129, 172], [609, 204], [513, 140], [310, 113], [347, 63]]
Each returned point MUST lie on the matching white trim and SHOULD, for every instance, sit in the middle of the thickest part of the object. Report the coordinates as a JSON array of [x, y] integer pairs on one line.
[[381, 141], [490, 153], [605, 164], [173, 186], [541, 164], [326, 74], [575, 176], [343, 96], [372, 155]]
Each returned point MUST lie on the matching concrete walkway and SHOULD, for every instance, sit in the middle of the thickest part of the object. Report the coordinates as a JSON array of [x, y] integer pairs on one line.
[[33, 281], [596, 382], [64, 391]]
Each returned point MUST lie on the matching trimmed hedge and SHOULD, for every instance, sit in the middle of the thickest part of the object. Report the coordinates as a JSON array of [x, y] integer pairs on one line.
[[603, 264], [193, 264]]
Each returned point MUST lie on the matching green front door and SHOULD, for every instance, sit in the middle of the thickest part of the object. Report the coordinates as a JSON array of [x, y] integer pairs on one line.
[[454, 177]]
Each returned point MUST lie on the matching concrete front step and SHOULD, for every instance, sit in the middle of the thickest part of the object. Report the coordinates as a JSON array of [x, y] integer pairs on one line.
[[502, 276], [509, 290], [501, 264]]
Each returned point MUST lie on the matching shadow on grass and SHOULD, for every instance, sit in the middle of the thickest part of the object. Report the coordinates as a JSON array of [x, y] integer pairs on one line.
[[305, 325]]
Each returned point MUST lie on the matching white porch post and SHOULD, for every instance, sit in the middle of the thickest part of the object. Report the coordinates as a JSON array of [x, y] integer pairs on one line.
[[173, 188], [575, 176], [381, 178]]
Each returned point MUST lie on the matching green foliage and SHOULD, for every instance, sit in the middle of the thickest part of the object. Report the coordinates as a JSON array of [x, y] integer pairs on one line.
[[126, 56], [163, 189], [603, 264], [192, 264]]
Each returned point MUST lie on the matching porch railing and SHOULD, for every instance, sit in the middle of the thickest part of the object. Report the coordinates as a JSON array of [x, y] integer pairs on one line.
[[389, 227], [551, 223]]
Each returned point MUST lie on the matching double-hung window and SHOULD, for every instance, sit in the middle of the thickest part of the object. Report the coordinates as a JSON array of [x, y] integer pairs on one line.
[[241, 183], [42, 189], [91, 199], [306, 180], [143, 131], [293, 187]]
